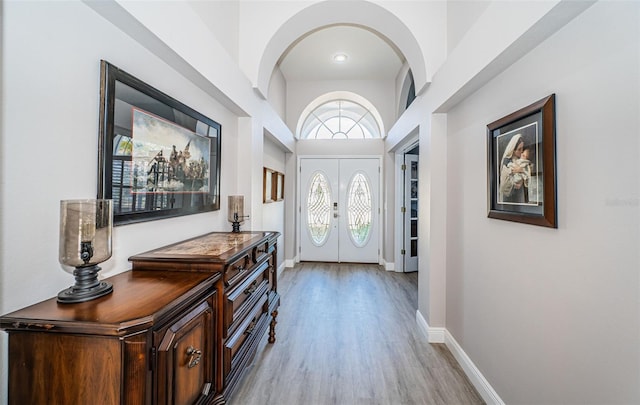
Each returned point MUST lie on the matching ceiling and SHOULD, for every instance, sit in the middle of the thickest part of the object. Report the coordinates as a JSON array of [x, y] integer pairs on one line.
[[368, 56]]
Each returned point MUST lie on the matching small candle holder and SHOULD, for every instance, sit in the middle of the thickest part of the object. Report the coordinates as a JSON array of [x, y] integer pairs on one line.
[[85, 241], [236, 212]]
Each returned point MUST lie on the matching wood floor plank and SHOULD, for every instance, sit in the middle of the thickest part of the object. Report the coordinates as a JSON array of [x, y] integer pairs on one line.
[[347, 335]]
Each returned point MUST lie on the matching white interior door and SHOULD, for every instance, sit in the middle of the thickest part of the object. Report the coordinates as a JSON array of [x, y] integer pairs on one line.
[[339, 207], [410, 213]]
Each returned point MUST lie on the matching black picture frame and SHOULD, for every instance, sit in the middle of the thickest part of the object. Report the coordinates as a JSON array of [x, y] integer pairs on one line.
[[521, 157], [158, 158]]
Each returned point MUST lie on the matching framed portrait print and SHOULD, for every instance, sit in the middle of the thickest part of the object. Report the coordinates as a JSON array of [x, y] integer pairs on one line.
[[158, 158], [522, 165]]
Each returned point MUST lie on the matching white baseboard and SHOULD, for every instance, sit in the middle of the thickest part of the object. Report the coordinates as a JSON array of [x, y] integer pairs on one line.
[[442, 335], [481, 384], [423, 326], [281, 269], [433, 335], [391, 266], [289, 263], [436, 335]]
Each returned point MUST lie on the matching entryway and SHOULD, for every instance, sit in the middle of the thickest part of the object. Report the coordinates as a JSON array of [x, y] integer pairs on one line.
[[339, 209]]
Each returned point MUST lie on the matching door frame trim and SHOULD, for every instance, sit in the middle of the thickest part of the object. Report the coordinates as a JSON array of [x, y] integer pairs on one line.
[[298, 203]]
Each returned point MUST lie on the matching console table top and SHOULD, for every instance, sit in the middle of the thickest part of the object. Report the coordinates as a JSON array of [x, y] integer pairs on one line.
[[137, 300], [212, 244], [214, 247]]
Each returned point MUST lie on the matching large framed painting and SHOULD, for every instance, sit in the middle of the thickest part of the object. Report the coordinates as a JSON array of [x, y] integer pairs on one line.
[[522, 165], [158, 158]]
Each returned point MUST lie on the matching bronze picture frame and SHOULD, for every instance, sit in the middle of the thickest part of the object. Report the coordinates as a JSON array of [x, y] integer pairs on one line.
[[272, 186], [267, 186], [521, 157]]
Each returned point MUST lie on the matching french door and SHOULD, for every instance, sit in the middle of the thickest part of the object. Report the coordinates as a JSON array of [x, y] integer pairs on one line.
[[410, 213], [339, 209]]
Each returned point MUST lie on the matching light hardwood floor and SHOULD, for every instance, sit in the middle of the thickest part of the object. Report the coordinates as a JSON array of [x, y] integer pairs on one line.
[[347, 335]]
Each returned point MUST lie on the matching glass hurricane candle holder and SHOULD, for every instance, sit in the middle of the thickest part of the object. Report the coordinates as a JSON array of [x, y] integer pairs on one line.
[[85, 241], [236, 212]]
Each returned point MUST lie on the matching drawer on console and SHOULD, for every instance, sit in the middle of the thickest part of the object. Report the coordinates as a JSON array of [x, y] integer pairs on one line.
[[273, 276], [260, 252], [272, 243], [248, 328], [237, 270], [241, 297]]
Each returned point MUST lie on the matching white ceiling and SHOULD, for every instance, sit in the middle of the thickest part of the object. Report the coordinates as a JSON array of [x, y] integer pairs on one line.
[[369, 56]]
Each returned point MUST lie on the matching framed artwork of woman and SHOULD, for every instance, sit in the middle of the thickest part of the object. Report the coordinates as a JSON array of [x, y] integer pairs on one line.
[[521, 171]]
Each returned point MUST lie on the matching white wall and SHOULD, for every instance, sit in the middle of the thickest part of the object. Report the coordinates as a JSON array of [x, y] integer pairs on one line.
[[223, 19], [340, 147], [402, 89], [273, 214], [427, 21], [278, 93], [461, 15], [552, 316], [259, 20]]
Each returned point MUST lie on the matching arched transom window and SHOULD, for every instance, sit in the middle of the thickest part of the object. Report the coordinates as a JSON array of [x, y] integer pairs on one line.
[[340, 119]]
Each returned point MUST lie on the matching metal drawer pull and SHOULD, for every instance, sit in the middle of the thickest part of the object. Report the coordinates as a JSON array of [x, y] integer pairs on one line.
[[240, 268], [195, 354], [251, 289], [251, 327]]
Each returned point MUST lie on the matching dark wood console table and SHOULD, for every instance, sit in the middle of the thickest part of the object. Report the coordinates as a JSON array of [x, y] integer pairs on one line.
[[180, 328], [248, 297]]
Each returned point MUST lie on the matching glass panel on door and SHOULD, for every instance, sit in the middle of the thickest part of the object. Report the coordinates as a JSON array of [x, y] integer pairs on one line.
[[319, 209], [359, 209], [414, 209]]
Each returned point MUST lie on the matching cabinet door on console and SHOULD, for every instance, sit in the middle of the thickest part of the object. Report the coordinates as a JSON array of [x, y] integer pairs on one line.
[[186, 357]]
